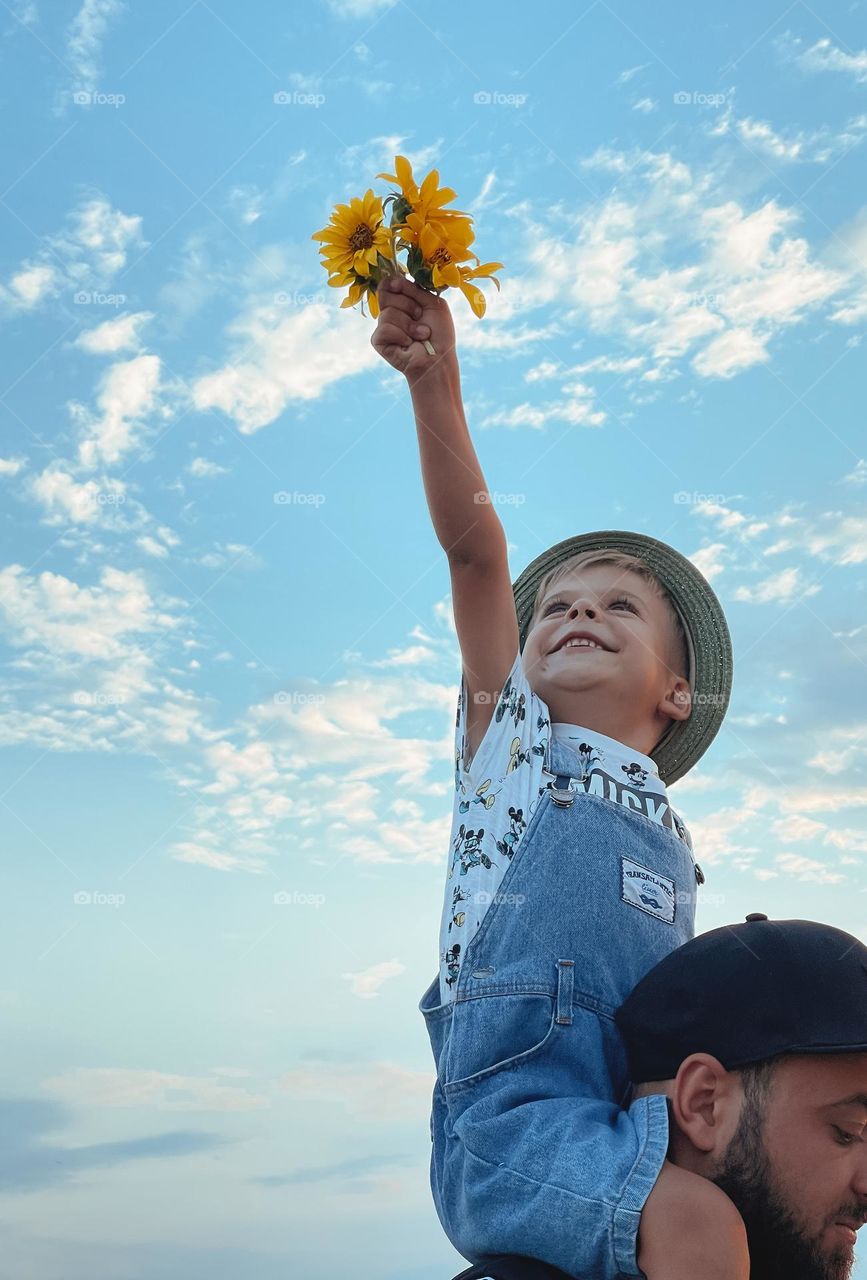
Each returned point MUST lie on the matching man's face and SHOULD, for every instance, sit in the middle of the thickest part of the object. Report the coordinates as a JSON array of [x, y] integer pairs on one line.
[[794, 1178], [616, 688]]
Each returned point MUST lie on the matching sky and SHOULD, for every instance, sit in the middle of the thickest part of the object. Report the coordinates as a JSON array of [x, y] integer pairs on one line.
[[230, 667]]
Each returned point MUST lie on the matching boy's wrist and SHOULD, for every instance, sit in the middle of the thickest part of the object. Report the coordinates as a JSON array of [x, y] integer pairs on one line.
[[443, 373]]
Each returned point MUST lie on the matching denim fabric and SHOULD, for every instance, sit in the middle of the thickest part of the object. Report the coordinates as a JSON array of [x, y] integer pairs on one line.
[[535, 1151]]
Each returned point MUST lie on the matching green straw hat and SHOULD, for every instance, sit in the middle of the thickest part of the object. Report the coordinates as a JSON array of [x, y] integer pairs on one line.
[[707, 636]]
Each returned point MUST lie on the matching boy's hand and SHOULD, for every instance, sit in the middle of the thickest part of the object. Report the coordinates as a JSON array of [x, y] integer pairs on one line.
[[397, 337]]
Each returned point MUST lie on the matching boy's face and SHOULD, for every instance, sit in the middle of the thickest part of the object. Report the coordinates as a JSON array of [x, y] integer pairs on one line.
[[624, 687]]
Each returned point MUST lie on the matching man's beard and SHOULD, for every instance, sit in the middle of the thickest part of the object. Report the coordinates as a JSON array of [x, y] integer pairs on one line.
[[779, 1248]]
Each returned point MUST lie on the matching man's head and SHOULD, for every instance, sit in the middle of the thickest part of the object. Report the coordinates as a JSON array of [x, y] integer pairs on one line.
[[786, 1139], [637, 680]]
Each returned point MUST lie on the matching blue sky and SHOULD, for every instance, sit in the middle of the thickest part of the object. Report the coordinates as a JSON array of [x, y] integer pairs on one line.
[[230, 665]]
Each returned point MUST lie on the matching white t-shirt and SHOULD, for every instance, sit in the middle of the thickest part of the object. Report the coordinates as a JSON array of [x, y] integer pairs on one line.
[[497, 795]]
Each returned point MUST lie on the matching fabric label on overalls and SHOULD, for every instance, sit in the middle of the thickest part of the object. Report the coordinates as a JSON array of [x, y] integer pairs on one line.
[[647, 890]]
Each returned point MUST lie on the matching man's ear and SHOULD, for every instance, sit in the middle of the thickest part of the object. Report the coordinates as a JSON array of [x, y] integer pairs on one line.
[[677, 702], [701, 1099]]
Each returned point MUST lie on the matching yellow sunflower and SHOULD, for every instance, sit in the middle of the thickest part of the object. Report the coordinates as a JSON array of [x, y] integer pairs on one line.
[[440, 261], [425, 201], [354, 236]]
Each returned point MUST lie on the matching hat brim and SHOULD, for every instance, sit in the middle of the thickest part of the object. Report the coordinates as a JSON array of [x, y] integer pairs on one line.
[[708, 639]]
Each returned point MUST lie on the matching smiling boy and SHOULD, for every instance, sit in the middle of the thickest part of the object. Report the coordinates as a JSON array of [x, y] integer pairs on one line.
[[570, 874]]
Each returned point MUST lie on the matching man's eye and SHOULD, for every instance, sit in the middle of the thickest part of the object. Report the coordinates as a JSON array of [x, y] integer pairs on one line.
[[845, 1139]]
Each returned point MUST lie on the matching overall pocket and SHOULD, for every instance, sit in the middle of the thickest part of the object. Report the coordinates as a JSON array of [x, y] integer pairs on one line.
[[491, 1033]]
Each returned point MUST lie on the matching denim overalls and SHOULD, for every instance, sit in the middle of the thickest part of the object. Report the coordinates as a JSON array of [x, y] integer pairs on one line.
[[533, 1151]]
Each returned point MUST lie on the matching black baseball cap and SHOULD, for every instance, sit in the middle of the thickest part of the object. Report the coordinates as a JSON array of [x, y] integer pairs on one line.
[[747, 992]]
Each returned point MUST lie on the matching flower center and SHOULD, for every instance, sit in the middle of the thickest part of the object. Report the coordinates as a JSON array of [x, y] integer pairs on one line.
[[441, 257], [362, 237]]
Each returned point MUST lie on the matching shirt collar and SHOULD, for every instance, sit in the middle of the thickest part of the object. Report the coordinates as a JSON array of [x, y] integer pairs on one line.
[[614, 752]]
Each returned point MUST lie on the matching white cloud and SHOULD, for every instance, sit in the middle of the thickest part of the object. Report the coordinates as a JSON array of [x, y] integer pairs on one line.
[[55, 613], [27, 12], [847, 250], [32, 285], [645, 105], [84, 40], [626, 76], [141, 1087], [709, 560], [826, 56], [246, 202], [204, 467], [744, 274], [801, 868], [780, 588], [576, 408], [200, 852], [376, 155], [127, 396], [813, 146], [294, 358], [385, 1090], [858, 474], [545, 369], [731, 352], [198, 275], [11, 466], [91, 247], [359, 8], [797, 827], [366, 982], [64, 498], [120, 334]]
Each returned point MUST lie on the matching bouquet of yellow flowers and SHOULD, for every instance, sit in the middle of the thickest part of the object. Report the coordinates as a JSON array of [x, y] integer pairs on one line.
[[359, 250]]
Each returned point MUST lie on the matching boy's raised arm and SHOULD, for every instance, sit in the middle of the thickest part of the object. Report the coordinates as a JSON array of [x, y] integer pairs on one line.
[[469, 531]]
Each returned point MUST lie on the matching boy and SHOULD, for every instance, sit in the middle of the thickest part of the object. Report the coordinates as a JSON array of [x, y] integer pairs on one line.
[[603, 673]]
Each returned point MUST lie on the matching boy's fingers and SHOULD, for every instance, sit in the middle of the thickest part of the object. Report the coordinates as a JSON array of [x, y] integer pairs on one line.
[[389, 335], [398, 304], [406, 288]]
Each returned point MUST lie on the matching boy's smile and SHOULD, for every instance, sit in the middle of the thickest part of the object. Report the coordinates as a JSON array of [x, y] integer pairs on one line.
[[574, 639]]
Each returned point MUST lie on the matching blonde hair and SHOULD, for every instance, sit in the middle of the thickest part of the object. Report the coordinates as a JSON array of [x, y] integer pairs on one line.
[[678, 652]]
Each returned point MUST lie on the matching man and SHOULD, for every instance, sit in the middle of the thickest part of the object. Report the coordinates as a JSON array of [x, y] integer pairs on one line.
[[773, 1106]]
